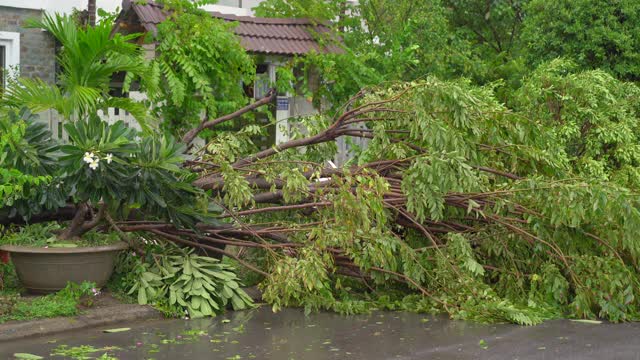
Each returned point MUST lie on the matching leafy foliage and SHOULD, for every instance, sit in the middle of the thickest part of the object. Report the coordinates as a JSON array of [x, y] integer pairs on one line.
[[26, 164], [493, 197], [591, 33], [319, 11], [483, 210], [26, 143], [202, 77], [407, 40], [593, 115], [9, 285], [44, 235], [196, 285]]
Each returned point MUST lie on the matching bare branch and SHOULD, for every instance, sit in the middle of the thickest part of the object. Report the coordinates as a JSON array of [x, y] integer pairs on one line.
[[191, 135]]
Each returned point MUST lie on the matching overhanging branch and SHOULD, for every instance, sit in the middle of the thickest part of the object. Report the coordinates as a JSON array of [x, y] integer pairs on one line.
[[191, 135]]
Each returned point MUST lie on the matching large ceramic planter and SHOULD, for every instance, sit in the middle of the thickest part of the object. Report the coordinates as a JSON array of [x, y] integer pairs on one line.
[[43, 270]]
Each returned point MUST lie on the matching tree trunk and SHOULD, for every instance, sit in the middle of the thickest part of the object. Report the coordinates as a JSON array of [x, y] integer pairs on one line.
[[79, 226], [74, 228], [91, 13]]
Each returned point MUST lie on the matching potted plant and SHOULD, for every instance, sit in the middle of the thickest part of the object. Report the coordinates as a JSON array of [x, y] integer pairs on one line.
[[103, 173]]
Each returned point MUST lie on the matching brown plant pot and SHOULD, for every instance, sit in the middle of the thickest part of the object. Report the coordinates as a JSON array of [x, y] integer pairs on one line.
[[48, 270]]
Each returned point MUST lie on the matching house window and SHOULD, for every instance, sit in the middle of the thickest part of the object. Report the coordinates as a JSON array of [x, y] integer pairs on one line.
[[9, 55]]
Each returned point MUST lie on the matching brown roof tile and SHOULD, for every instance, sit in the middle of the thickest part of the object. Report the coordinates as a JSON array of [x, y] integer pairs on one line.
[[257, 35]]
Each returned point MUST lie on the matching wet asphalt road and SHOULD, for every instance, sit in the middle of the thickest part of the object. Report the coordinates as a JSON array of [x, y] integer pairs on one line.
[[261, 334]]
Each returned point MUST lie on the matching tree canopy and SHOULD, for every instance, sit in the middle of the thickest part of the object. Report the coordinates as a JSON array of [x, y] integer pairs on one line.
[[594, 34]]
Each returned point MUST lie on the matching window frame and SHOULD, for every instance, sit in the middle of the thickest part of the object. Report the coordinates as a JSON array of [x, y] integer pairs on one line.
[[11, 43]]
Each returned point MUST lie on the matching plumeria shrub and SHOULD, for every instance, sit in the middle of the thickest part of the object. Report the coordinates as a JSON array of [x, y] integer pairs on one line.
[[103, 171]]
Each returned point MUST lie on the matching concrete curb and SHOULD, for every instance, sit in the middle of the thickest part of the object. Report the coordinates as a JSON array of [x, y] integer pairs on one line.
[[91, 318]]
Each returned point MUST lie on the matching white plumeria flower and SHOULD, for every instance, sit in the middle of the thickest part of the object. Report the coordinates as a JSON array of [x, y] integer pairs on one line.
[[109, 158], [88, 157], [94, 164]]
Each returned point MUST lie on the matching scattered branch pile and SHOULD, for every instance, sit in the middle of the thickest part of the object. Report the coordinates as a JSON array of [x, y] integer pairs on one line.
[[457, 204]]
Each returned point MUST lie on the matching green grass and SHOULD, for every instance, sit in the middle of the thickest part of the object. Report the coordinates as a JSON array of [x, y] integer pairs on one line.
[[9, 283], [63, 303], [15, 307], [44, 307]]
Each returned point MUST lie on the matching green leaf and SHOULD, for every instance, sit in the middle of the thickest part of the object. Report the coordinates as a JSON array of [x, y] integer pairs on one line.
[[142, 296], [205, 308], [238, 303], [196, 302]]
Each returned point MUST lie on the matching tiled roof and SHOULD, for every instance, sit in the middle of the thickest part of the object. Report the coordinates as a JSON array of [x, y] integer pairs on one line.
[[257, 35]]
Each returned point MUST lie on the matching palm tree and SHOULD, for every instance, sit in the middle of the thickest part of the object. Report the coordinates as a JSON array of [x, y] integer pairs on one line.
[[88, 59]]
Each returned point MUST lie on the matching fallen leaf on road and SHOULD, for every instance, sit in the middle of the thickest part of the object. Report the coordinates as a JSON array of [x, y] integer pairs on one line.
[[109, 331], [27, 356], [588, 321]]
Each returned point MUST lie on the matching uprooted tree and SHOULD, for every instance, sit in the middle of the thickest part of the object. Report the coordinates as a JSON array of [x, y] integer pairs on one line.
[[457, 204]]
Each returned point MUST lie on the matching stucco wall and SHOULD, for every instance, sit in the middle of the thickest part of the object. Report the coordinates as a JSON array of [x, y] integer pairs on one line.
[[37, 48]]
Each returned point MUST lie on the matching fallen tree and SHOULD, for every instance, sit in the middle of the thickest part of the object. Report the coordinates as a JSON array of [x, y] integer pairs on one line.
[[457, 204]]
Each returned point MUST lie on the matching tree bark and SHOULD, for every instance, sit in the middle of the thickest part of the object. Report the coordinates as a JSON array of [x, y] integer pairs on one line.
[[75, 225], [79, 226]]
